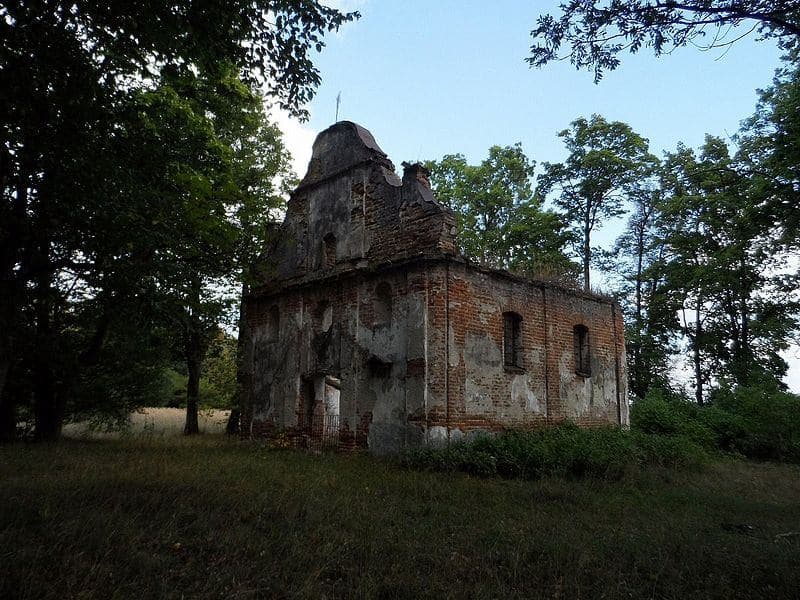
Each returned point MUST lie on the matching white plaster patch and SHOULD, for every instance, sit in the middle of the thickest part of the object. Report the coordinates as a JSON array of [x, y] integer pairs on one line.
[[480, 351], [576, 392], [476, 399], [451, 342], [436, 435], [522, 395], [486, 312]]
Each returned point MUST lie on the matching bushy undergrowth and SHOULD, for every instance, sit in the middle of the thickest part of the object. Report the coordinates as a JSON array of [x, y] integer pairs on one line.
[[758, 422], [562, 450]]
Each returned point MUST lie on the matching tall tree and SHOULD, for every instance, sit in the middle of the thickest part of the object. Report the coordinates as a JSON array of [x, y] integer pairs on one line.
[[224, 239], [606, 160], [598, 31], [70, 75], [770, 151], [636, 262], [501, 223], [723, 269]]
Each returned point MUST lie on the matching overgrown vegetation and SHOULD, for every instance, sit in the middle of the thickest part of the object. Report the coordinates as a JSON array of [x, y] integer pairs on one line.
[[138, 172], [758, 422], [212, 518], [562, 450]]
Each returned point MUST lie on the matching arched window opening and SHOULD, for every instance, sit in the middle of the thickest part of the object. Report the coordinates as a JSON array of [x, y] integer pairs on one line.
[[382, 305], [512, 340], [273, 323], [329, 247], [580, 336]]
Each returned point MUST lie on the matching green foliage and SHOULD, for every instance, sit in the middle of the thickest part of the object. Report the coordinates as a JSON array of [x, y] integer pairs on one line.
[[765, 419], [501, 223], [137, 174], [218, 386], [598, 31], [606, 163], [722, 269], [770, 149], [563, 450], [650, 320], [758, 421], [664, 414]]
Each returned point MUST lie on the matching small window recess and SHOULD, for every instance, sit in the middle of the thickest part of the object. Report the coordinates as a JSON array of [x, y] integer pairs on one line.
[[329, 250], [273, 323], [580, 336], [512, 342], [379, 367], [382, 305]]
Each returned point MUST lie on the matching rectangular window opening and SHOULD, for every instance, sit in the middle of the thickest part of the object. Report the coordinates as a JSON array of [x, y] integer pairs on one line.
[[582, 355], [512, 340]]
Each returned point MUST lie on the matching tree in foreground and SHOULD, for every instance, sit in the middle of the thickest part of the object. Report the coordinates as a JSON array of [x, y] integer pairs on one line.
[[86, 218], [501, 223], [606, 161], [596, 32]]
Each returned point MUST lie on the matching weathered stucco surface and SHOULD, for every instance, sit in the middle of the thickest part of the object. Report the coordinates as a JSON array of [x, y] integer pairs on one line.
[[369, 331]]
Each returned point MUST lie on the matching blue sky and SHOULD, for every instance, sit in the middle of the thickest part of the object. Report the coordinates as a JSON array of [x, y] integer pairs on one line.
[[442, 77]]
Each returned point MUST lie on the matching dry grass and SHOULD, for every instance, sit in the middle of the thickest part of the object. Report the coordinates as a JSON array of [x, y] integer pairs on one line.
[[153, 422]]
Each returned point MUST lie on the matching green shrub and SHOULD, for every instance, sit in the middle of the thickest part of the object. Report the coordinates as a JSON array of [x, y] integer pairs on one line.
[[565, 450], [662, 414], [672, 452], [766, 421], [758, 421]]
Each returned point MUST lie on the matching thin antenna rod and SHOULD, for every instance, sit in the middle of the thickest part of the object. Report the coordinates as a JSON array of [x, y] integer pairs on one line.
[[338, 100]]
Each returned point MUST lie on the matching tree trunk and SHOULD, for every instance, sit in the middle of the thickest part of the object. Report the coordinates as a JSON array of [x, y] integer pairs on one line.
[[698, 371], [8, 418], [194, 356], [5, 360], [12, 289], [232, 427], [49, 413], [746, 359], [244, 370], [587, 248], [48, 404], [638, 376]]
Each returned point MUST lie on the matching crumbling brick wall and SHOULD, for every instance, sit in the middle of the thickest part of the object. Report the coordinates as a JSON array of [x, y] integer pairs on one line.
[[366, 312]]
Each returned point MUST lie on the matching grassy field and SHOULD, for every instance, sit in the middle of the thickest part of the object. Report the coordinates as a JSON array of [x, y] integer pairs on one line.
[[154, 422], [209, 517]]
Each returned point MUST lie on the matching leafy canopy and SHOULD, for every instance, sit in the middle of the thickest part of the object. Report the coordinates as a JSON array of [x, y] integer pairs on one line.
[[596, 32], [606, 161], [501, 222]]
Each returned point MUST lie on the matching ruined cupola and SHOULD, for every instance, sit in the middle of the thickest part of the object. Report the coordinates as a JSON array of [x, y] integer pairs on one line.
[[352, 211]]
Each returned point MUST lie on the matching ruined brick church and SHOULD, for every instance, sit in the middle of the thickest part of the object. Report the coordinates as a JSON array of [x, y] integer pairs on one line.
[[368, 330]]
